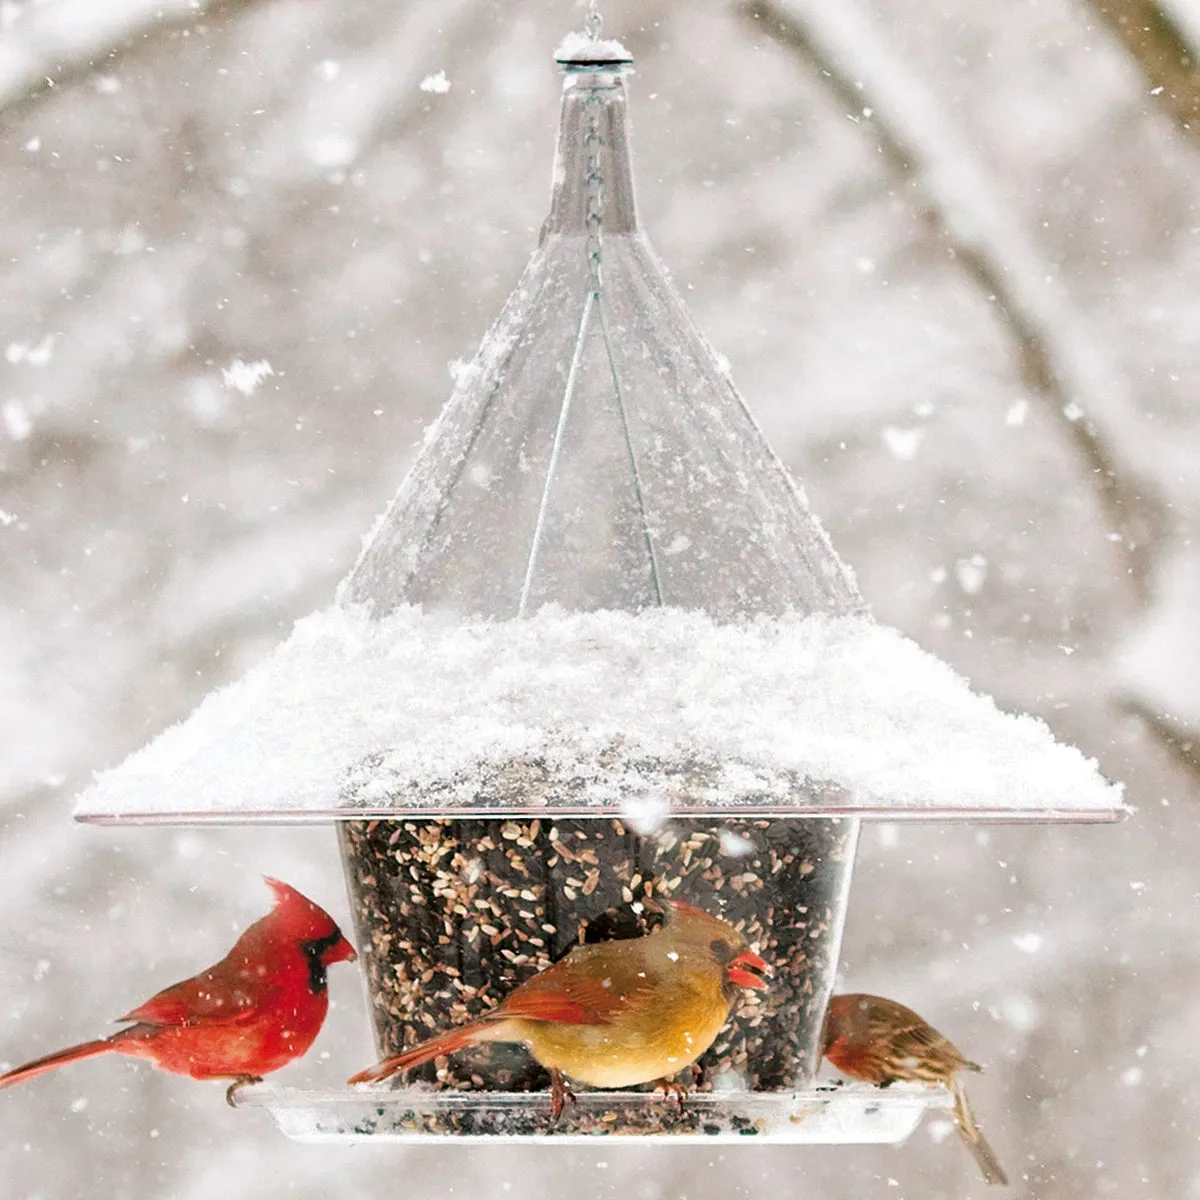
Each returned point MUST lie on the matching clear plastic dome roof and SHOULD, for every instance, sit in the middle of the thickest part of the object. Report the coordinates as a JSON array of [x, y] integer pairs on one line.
[[596, 462], [596, 453]]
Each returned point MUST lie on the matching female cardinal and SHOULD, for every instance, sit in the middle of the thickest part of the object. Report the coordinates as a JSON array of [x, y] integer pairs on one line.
[[616, 1013], [260, 1007], [880, 1041]]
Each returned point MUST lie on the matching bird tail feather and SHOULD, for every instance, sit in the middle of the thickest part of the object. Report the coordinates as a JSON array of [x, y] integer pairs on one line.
[[39, 1066], [973, 1139], [435, 1047]]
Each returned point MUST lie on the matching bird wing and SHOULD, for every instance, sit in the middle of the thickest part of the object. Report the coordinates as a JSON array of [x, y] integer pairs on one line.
[[577, 994], [918, 1040], [206, 999]]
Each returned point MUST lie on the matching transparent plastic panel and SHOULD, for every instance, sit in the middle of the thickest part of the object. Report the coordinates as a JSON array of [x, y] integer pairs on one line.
[[452, 915], [591, 548], [526, 492], [459, 532], [733, 532], [592, 188], [596, 454]]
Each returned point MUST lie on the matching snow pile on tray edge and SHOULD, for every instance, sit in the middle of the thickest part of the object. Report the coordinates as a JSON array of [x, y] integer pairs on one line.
[[835, 699]]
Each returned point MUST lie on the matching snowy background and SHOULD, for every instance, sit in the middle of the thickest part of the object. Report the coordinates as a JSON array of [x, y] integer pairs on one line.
[[952, 256]]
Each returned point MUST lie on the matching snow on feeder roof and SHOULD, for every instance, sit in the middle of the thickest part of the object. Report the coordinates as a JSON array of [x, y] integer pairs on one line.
[[599, 713], [596, 456]]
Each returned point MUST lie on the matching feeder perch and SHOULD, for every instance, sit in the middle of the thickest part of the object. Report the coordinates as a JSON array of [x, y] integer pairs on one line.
[[597, 651]]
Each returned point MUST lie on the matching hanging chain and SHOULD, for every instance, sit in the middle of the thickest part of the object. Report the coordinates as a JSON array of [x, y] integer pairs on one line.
[[594, 142]]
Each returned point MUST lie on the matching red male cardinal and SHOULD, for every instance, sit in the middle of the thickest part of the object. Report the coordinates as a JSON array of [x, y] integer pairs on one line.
[[616, 1013], [879, 1041], [260, 1007]]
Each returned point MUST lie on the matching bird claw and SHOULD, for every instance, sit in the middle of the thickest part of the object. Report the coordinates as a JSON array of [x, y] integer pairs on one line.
[[671, 1087], [240, 1082], [560, 1093]]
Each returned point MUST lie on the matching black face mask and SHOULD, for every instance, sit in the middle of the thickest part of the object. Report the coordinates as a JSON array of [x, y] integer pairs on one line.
[[314, 951]]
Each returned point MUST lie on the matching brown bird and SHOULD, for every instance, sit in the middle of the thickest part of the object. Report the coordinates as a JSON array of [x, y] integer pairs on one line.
[[616, 1013], [879, 1041]]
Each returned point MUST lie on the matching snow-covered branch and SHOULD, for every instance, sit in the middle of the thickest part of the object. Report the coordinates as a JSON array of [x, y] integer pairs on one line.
[[1063, 361]]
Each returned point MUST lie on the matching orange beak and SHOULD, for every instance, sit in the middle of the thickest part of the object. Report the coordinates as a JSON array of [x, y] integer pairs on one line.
[[342, 952], [747, 970]]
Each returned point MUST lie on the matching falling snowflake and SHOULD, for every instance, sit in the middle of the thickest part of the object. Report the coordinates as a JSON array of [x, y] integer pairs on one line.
[[902, 443], [435, 83], [17, 422], [246, 376], [1016, 413], [971, 573], [34, 355]]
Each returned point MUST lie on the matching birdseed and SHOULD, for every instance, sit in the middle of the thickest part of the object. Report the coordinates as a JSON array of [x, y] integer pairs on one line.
[[452, 914]]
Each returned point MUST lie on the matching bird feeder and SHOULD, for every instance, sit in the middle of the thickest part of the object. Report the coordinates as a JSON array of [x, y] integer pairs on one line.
[[597, 653]]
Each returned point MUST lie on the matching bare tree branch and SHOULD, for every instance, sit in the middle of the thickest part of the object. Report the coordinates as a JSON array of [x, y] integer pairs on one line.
[[1062, 360], [1162, 46], [1178, 739], [49, 46]]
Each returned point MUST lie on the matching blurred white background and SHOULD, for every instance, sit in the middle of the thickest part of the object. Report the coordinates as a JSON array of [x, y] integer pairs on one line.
[[951, 252]]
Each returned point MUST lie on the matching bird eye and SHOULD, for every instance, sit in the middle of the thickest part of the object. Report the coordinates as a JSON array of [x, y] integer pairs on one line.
[[722, 951]]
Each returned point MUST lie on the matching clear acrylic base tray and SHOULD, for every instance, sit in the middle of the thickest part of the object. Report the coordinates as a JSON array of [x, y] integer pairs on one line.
[[821, 1114]]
